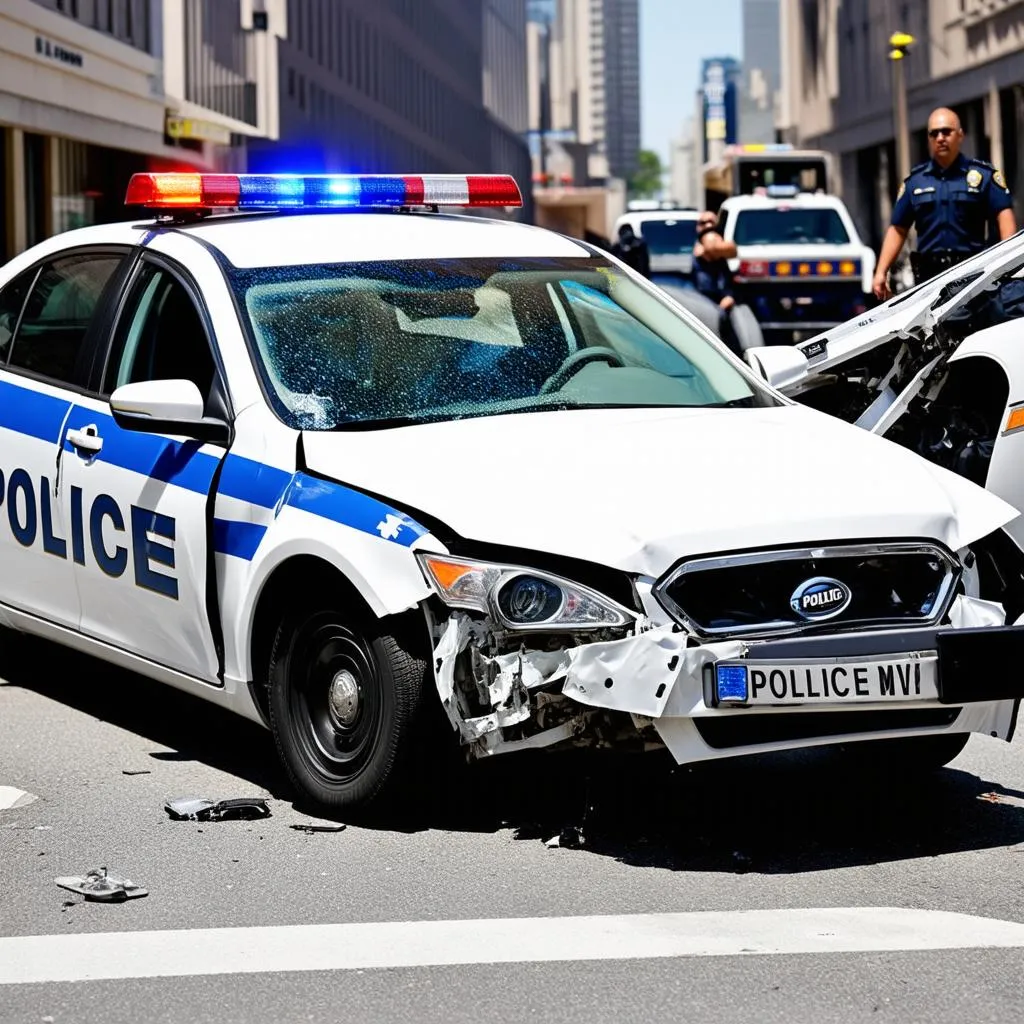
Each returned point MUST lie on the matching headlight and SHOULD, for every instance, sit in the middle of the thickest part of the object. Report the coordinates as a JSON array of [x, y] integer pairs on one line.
[[520, 598]]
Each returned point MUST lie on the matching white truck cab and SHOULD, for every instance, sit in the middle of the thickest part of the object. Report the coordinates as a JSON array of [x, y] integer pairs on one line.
[[800, 264]]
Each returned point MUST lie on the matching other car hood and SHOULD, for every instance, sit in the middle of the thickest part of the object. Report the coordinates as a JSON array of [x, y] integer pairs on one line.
[[638, 489], [913, 313]]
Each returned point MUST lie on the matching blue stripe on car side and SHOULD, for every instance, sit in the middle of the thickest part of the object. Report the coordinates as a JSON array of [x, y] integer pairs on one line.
[[241, 540], [31, 412], [182, 464], [352, 508], [254, 482]]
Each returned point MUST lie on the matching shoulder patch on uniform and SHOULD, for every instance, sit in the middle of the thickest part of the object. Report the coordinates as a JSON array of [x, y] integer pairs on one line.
[[998, 178], [974, 177], [903, 188]]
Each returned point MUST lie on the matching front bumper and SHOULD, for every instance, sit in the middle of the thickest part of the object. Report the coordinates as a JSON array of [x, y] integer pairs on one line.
[[662, 685], [971, 682]]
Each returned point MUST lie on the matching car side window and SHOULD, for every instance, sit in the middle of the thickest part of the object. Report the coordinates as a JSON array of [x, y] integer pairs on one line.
[[160, 337], [57, 315], [12, 300]]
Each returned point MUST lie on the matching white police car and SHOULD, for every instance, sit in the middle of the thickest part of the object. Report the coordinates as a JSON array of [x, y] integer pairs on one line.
[[800, 264], [336, 462]]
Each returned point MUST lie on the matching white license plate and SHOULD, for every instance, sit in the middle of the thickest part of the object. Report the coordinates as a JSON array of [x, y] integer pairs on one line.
[[909, 677]]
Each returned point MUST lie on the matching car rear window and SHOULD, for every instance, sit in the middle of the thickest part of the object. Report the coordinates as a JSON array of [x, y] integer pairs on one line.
[[669, 237], [790, 226]]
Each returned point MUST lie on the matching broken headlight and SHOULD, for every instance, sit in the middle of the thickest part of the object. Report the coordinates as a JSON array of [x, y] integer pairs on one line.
[[520, 598]]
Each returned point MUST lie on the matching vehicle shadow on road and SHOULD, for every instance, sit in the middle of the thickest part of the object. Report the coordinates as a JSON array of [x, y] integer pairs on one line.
[[193, 729], [784, 813], [778, 814]]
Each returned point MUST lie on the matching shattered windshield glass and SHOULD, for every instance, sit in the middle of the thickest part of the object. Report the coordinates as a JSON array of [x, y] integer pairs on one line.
[[356, 346]]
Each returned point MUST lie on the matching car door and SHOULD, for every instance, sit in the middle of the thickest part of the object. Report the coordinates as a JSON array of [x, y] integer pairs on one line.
[[142, 499], [49, 317]]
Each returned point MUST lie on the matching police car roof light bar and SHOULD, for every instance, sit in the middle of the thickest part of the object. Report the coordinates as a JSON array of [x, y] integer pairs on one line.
[[319, 191]]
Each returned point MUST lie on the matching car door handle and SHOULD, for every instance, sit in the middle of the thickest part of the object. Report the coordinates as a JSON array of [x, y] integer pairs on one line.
[[86, 440]]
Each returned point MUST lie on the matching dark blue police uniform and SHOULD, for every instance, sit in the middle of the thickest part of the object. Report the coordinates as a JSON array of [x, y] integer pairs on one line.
[[951, 207]]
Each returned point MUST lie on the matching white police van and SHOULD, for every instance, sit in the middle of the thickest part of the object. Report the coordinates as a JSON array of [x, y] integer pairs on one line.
[[371, 475], [800, 264]]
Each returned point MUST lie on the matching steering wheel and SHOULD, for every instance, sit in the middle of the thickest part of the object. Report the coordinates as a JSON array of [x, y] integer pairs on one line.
[[575, 361]]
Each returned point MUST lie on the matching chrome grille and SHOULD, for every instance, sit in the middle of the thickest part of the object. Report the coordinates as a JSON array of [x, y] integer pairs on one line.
[[756, 593]]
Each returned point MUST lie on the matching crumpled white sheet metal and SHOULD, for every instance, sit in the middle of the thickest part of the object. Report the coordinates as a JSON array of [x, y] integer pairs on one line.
[[973, 612], [517, 673]]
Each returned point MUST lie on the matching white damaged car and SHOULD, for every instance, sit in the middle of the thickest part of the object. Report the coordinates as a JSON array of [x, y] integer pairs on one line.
[[342, 467]]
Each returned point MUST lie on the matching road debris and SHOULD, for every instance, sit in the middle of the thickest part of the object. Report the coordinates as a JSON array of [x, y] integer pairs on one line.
[[570, 838], [11, 797], [316, 826], [101, 887], [1002, 798], [136, 771], [239, 809]]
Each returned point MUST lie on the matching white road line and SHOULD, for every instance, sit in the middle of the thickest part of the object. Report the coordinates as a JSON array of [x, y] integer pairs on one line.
[[339, 947]]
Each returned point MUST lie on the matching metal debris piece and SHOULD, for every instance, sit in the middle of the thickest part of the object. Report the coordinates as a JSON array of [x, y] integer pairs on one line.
[[570, 838], [136, 771], [241, 809], [101, 887], [1001, 798], [312, 826]]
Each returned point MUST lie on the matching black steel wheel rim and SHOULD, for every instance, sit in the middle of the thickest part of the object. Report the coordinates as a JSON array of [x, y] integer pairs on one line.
[[337, 749]]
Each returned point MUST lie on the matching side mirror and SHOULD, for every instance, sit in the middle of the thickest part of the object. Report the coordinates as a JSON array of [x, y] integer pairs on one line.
[[166, 407], [780, 365]]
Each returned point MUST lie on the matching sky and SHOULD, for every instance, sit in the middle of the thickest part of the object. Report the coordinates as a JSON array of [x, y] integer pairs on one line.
[[674, 36]]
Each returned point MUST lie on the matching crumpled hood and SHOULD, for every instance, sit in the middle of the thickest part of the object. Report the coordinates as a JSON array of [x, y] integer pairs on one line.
[[638, 489]]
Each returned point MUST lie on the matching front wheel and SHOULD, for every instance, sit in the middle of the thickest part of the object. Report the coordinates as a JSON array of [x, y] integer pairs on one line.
[[346, 708]]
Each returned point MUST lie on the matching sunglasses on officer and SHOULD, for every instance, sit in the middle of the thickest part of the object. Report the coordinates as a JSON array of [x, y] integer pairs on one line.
[[944, 133]]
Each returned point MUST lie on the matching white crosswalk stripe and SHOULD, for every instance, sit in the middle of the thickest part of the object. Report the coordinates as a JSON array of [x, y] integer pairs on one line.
[[338, 947]]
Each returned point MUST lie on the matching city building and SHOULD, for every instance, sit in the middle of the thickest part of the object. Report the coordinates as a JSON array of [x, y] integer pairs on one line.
[[684, 168], [400, 86], [838, 88], [505, 92], [762, 71], [83, 103], [584, 111]]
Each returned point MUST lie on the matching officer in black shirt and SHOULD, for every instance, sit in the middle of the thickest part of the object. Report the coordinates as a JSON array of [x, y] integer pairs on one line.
[[951, 199]]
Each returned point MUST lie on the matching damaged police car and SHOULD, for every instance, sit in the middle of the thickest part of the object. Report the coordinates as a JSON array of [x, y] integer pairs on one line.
[[337, 461]]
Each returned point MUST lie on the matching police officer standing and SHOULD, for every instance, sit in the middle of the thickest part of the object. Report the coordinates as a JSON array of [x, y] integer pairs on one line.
[[951, 199]]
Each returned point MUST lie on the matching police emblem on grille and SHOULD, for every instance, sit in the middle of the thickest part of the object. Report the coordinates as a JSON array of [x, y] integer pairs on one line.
[[974, 178], [820, 598]]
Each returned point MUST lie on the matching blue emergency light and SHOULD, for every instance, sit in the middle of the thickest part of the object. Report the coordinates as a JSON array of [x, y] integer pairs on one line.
[[731, 684], [319, 191]]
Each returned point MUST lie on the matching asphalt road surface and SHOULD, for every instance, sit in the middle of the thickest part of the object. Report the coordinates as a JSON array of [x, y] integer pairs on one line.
[[775, 889]]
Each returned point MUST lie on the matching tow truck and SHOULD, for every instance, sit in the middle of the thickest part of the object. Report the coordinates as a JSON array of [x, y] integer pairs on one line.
[[800, 264]]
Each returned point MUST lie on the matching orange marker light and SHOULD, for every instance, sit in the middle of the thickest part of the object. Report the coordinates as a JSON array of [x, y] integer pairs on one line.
[[825, 269], [784, 269], [447, 573], [804, 269], [1016, 418], [847, 268]]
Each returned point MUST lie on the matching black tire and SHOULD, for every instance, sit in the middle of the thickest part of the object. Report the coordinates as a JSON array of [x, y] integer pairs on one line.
[[912, 755], [346, 755], [745, 328]]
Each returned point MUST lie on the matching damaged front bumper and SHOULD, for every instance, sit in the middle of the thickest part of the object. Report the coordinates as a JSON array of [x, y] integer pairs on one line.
[[661, 687]]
